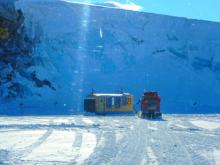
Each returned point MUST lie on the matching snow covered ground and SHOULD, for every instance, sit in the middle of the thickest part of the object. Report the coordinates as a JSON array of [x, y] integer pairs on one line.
[[177, 139]]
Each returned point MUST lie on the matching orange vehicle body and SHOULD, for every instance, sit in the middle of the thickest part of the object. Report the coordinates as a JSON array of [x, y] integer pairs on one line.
[[150, 105]]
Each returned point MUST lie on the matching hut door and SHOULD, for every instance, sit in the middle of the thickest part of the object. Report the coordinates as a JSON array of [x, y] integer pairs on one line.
[[102, 104]]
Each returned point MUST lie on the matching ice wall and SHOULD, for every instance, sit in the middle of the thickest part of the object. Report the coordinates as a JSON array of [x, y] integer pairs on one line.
[[88, 47]]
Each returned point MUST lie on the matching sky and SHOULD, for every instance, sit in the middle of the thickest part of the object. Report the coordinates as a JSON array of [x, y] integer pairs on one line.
[[196, 9]]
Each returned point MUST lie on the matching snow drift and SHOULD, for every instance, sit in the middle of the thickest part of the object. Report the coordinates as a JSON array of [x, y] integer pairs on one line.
[[84, 47]]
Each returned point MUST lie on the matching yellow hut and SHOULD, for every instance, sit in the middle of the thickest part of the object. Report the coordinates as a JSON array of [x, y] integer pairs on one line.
[[108, 102]]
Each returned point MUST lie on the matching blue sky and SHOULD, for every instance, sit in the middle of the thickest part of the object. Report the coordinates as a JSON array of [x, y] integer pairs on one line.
[[197, 9]]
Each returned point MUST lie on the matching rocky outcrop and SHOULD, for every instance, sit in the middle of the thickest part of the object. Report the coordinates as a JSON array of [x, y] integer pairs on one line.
[[16, 54]]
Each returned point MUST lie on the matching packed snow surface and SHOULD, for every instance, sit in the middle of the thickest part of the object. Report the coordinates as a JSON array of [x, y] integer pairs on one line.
[[175, 139], [206, 124]]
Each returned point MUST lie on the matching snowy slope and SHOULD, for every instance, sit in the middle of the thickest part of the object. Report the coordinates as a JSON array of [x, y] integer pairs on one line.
[[109, 140], [83, 47]]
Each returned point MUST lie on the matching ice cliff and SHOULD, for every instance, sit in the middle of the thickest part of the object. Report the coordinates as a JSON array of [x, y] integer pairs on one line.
[[57, 52]]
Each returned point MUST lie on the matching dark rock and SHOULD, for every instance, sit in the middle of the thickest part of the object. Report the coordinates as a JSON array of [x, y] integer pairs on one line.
[[201, 63], [16, 56], [179, 52]]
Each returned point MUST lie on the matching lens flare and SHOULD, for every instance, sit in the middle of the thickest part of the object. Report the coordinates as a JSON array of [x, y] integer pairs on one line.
[[81, 54]]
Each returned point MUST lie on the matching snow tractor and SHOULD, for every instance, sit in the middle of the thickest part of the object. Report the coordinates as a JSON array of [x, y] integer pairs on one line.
[[150, 105]]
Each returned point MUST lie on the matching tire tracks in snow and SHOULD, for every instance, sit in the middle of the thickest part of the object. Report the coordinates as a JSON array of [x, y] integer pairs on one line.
[[163, 145], [81, 139], [77, 145], [169, 142], [150, 157], [200, 144], [106, 144], [130, 151], [104, 150], [41, 140], [78, 139]]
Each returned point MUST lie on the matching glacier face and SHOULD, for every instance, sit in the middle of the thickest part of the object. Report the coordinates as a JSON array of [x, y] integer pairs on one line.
[[84, 47]]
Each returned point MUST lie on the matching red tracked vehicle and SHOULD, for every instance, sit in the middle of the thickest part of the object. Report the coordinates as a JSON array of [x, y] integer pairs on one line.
[[150, 105]]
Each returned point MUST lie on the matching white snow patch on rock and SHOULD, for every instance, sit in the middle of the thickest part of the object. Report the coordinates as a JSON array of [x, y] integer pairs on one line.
[[100, 32], [130, 6]]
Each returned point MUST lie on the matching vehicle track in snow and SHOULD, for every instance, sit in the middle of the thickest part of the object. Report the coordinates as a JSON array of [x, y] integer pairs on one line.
[[105, 149], [90, 126], [108, 143], [196, 138], [116, 140], [198, 141], [150, 157], [77, 143], [40, 141], [27, 150], [130, 150], [168, 147], [176, 146]]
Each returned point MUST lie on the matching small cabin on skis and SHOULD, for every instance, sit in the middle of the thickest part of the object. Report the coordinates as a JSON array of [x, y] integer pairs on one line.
[[102, 103]]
